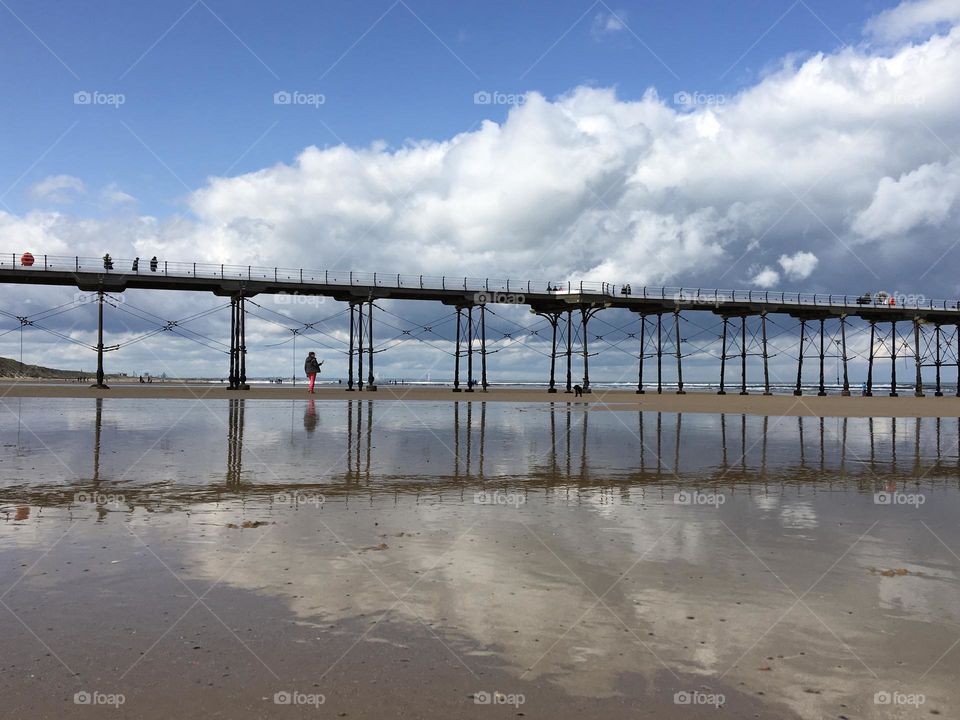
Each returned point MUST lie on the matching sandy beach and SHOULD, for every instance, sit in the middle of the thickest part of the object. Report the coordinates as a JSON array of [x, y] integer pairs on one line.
[[693, 402]]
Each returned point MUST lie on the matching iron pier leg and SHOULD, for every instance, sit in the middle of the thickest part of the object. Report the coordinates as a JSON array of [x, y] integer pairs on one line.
[[456, 362], [350, 365], [939, 392], [766, 367], [584, 317], [822, 392], [370, 383], [554, 319], [483, 353], [743, 355], [843, 343], [803, 336], [723, 358], [918, 388], [676, 331], [100, 383], [360, 332], [893, 359], [470, 349], [659, 353], [643, 323], [232, 378], [242, 344], [570, 352], [873, 332]]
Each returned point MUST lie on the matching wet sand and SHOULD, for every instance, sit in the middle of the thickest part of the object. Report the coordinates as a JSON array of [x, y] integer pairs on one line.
[[693, 402], [402, 559]]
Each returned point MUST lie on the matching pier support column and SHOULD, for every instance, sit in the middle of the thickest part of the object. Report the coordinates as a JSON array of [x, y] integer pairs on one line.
[[643, 324], [100, 384], [370, 383], [766, 356], [232, 377], [238, 347], [822, 392], [873, 334], [470, 349], [456, 362], [360, 336], [676, 339], [585, 316], [743, 355], [893, 359], [843, 343], [918, 387], [350, 353], [939, 361], [723, 358], [659, 353], [483, 354], [242, 344], [803, 337], [570, 352], [554, 319]]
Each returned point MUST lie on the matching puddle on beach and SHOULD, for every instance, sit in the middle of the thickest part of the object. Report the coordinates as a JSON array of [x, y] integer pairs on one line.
[[555, 561]]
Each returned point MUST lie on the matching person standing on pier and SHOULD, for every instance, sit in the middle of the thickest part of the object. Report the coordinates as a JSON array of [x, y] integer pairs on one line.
[[311, 367], [153, 263]]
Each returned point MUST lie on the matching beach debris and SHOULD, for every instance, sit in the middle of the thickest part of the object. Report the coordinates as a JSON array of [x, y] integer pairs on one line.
[[247, 524], [381, 546], [894, 572]]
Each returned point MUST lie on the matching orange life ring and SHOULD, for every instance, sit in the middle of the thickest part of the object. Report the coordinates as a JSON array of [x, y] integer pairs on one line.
[[26, 259]]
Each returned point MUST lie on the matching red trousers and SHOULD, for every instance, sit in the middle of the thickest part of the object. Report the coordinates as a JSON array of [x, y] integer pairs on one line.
[[313, 378]]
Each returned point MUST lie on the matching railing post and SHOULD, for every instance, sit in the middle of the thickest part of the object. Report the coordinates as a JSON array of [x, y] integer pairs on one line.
[[275, 274], [421, 282], [374, 284], [165, 272], [351, 278], [464, 284], [44, 262], [301, 276], [248, 273], [77, 258]]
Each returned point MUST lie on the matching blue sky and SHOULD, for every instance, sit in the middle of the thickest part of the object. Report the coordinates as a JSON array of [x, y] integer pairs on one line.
[[198, 77]]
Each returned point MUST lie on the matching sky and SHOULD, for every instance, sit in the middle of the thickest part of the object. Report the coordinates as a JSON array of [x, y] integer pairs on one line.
[[754, 144]]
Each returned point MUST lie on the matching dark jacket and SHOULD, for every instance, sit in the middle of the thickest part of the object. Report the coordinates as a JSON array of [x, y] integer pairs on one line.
[[311, 365]]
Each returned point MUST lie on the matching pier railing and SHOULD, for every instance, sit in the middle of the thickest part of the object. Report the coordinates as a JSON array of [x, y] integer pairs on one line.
[[347, 278]]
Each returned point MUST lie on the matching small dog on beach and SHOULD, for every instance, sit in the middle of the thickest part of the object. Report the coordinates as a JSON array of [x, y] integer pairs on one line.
[[577, 391]]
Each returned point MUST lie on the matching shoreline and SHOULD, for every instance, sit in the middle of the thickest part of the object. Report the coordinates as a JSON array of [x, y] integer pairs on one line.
[[692, 402]]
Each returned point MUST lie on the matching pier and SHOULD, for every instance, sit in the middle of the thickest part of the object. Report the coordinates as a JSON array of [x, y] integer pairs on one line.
[[924, 329]]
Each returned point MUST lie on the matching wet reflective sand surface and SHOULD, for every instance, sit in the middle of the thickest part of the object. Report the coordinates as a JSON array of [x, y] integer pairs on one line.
[[355, 559]]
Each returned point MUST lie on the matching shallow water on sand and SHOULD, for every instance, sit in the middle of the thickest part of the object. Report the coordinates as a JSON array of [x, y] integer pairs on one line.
[[389, 555]]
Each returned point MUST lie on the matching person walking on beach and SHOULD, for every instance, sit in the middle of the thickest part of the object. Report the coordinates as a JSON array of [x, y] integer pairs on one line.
[[153, 263], [311, 367]]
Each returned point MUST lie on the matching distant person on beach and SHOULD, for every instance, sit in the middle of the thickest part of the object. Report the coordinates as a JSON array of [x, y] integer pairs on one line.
[[136, 265], [153, 263], [311, 367], [107, 262]]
